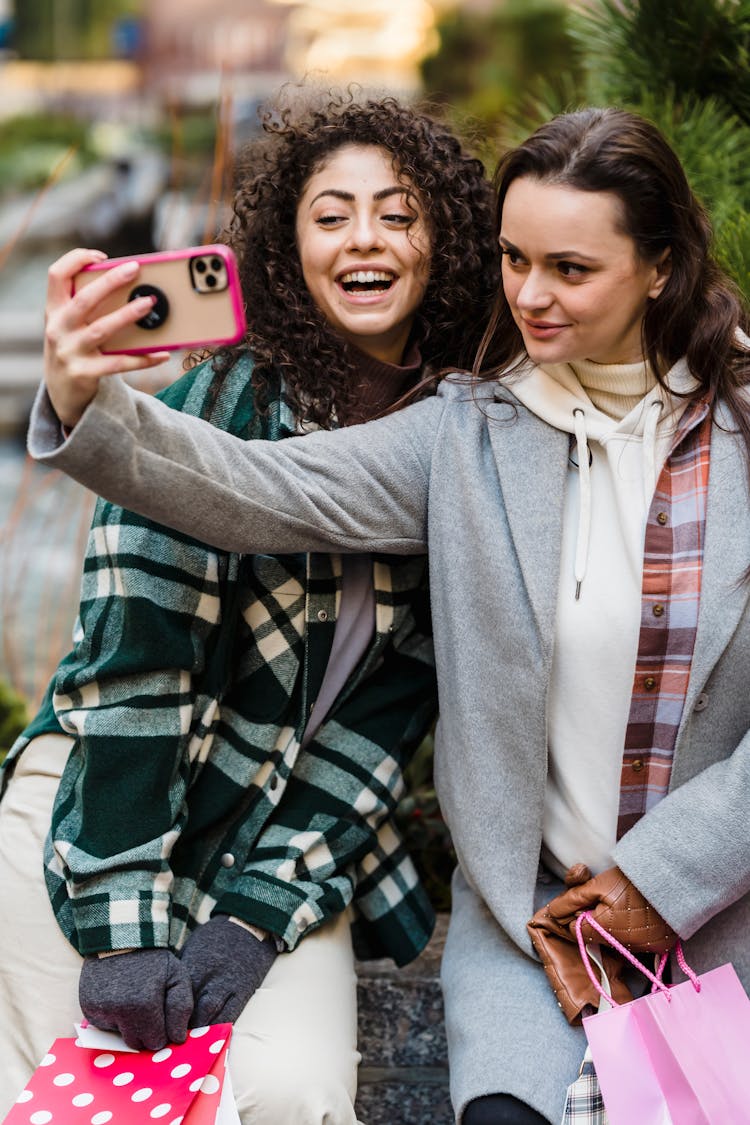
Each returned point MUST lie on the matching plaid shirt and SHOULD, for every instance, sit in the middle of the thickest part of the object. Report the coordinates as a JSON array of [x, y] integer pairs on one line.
[[187, 692], [672, 564]]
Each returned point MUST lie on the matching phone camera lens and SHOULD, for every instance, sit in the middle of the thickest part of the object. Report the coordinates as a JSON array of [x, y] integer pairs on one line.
[[208, 273]]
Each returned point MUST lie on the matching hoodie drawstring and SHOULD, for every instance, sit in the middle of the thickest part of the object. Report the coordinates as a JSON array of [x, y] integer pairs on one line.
[[584, 516], [650, 426]]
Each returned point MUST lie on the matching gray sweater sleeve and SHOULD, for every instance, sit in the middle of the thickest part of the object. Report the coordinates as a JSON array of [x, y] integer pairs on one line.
[[360, 488]]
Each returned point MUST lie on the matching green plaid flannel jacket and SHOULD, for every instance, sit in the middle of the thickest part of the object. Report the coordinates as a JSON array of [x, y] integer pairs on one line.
[[187, 692]]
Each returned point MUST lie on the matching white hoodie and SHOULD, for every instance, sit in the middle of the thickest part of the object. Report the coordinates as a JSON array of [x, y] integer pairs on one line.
[[608, 496]]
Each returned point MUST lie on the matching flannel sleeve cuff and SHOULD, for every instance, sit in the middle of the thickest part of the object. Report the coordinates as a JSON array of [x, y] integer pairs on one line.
[[104, 923], [284, 909]]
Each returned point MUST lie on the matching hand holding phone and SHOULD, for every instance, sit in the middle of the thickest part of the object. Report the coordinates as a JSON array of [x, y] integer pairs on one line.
[[197, 300]]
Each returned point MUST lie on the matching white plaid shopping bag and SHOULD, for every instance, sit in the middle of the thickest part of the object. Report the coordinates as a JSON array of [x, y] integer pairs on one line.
[[584, 1104]]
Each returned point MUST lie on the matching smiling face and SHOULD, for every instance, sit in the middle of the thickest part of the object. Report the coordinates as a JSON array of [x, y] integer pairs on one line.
[[364, 249], [574, 282]]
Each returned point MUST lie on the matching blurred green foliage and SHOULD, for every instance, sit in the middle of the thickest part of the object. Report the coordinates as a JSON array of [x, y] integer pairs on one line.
[[193, 132], [13, 717], [733, 250], [692, 47], [489, 63], [47, 30], [33, 144]]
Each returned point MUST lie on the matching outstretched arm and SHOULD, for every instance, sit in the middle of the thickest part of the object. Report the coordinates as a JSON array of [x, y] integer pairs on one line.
[[360, 488]]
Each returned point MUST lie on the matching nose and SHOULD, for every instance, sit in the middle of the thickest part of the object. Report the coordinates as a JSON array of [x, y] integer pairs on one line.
[[534, 292], [364, 234]]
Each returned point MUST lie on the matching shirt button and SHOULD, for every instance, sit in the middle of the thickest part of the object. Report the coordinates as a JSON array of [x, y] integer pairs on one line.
[[658, 610], [701, 702], [649, 683], [227, 860], [662, 518], [322, 615], [637, 765]]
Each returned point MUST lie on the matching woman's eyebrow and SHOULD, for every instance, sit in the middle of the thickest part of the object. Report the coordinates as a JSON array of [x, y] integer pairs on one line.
[[348, 196], [555, 256]]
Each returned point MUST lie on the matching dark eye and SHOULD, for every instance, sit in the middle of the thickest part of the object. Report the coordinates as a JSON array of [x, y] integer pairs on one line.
[[513, 257], [572, 269], [329, 220], [399, 220]]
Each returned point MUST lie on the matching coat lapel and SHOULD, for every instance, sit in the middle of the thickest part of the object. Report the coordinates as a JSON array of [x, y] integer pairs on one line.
[[726, 557], [533, 488]]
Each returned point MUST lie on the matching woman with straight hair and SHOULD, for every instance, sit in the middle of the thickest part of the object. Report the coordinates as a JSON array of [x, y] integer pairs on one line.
[[584, 500], [219, 759]]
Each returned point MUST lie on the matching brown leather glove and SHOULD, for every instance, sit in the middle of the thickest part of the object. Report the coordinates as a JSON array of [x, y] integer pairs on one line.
[[616, 905], [557, 947]]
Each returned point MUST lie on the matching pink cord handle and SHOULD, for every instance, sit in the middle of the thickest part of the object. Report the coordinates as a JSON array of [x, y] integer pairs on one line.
[[657, 984]]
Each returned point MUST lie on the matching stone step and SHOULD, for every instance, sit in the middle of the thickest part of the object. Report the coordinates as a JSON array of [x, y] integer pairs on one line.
[[403, 1077]]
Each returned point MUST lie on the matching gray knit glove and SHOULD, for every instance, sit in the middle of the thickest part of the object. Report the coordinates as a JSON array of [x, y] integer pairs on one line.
[[226, 964], [145, 995]]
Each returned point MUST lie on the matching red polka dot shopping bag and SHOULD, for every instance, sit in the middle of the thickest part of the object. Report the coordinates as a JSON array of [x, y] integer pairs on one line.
[[183, 1084]]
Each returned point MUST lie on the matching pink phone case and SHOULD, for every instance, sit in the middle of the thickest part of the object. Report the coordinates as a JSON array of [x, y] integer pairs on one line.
[[198, 300]]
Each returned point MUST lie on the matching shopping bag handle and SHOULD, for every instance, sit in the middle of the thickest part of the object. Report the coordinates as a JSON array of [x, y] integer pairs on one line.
[[657, 983]]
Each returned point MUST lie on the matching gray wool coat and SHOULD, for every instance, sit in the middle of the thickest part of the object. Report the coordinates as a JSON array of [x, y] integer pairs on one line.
[[482, 480]]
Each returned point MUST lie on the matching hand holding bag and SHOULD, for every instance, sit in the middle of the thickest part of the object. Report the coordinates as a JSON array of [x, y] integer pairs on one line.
[[676, 1056]]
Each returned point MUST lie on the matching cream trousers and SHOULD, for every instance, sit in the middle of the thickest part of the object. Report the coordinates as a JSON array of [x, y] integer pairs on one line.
[[294, 1054]]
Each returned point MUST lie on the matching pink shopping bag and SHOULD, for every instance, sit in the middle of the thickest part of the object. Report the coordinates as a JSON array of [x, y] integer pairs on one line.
[[180, 1084], [679, 1055]]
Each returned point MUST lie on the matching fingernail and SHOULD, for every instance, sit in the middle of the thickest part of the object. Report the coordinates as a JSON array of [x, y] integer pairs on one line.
[[129, 268]]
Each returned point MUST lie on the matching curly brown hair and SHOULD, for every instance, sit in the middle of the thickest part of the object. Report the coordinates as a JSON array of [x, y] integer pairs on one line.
[[287, 334]]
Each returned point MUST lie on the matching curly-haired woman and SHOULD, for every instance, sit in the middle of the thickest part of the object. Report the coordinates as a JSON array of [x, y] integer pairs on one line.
[[221, 753]]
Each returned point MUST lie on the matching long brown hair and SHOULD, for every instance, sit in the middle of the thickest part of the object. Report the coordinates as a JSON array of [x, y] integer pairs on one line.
[[698, 312], [287, 334]]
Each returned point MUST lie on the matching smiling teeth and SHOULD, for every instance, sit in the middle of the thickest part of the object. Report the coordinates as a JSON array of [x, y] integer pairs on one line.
[[364, 277]]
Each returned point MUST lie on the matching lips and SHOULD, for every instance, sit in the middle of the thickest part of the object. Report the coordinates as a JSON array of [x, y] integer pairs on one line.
[[542, 329]]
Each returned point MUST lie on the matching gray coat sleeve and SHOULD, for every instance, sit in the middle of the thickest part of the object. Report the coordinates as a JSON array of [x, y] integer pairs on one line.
[[695, 838], [360, 488]]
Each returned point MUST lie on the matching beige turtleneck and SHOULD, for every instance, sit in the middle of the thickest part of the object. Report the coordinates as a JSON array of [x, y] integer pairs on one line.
[[614, 388]]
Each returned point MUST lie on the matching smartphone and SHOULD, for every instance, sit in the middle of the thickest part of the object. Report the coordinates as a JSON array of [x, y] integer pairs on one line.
[[198, 300]]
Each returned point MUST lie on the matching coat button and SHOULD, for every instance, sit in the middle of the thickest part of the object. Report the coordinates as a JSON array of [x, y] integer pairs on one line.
[[662, 518], [658, 610], [649, 683], [274, 782], [322, 615], [637, 765], [701, 702], [227, 860]]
